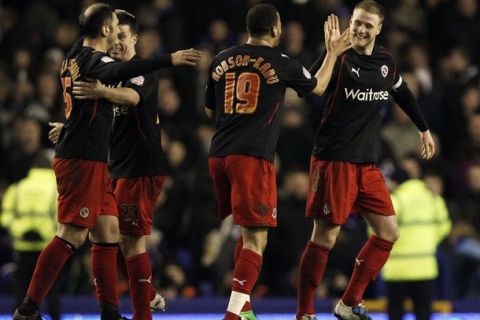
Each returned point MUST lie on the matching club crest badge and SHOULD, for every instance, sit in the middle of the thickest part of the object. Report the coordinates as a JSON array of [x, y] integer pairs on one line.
[[384, 70]]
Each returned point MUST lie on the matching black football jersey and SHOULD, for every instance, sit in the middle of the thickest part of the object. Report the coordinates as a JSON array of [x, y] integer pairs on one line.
[[246, 90], [135, 148], [356, 94], [86, 134]]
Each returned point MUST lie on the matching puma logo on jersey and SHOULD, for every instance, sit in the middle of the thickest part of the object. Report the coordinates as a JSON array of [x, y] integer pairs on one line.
[[358, 262], [367, 95], [241, 282], [357, 72], [149, 280]]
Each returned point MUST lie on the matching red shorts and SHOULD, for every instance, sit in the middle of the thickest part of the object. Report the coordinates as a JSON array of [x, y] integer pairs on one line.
[[245, 186], [137, 198], [338, 188], [84, 191]]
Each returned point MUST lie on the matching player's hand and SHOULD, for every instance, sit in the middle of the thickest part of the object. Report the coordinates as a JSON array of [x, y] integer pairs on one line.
[[336, 43], [54, 133], [188, 57], [428, 146], [88, 90]]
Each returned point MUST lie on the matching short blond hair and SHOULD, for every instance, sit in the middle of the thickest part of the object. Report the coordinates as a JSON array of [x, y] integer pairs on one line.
[[372, 6]]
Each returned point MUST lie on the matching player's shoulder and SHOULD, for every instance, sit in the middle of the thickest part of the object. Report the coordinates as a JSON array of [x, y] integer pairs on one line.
[[381, 52]]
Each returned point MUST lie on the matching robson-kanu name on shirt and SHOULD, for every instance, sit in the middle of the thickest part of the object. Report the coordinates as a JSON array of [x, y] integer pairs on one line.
[[238, 61]]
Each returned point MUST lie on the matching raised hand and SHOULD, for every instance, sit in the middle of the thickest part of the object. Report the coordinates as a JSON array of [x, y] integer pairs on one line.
[[88, 90], [188, 57], [54, 133], [336, 43], [428, 146]]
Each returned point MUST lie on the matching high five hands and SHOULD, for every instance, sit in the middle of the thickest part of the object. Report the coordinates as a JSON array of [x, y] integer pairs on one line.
[[336, 43]]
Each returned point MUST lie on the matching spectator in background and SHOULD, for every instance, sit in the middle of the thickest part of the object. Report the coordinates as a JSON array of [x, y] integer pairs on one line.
[[412, 268], [28, 212], [294, 38]]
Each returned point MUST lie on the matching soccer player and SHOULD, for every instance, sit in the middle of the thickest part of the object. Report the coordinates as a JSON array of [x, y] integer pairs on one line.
[[344, 177], [86, 202], [245, 92], [137, 164]]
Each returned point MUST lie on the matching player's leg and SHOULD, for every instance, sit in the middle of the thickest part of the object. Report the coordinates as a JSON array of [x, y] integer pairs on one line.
[[253, 205], [50, 262], [247, 310], [313, 264], [137, 198], [247, 269], [104, 238], [329, 201]]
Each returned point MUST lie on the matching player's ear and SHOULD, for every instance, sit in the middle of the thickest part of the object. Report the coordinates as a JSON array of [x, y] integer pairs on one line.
[[135, 39], [379, 29], [105, 30]]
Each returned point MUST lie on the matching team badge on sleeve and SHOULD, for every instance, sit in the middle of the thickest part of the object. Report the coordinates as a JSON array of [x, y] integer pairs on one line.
[[306, 73], [384, 70], [138, 80], [107, 59]]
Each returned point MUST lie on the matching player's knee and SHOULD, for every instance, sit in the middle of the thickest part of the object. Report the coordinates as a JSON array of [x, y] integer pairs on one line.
[[74, 235], [325, 241]]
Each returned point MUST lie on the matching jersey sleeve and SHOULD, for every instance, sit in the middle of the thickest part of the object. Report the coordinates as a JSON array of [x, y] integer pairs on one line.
[[143, 85], [210, 92], [108, 70], [298, 77]]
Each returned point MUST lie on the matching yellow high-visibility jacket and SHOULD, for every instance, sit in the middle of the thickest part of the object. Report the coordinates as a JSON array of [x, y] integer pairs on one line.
[[423, 221], [29, 210]]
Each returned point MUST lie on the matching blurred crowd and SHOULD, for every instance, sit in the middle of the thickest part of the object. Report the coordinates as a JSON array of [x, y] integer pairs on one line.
[[436, 44]]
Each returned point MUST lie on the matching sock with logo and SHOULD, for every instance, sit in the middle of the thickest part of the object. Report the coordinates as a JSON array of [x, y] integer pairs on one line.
[[311, 269], [104, 267], [49, 264], [140, 275], [122, 268], [368, 264], [245, 275], [248, 305]]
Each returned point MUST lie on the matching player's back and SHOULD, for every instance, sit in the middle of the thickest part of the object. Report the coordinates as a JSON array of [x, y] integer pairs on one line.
[[87, 126], [246, 89]]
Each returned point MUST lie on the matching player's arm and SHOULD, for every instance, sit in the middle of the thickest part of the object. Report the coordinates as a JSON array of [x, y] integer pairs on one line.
[[210, 97], [109, 71], [405, 99], [335, 44], [91, 90]]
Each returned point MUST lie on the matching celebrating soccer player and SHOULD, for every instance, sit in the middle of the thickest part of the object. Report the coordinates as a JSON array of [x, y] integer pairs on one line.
[[344, 178], [245, 92], [86, 200]]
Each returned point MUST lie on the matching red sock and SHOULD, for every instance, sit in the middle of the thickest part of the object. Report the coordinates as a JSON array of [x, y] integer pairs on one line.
[[368, 264], [140, 275], [246, 271], [247, 306], [230, 316], [104, 266], [49, 264], [122, 265], [312, 267]]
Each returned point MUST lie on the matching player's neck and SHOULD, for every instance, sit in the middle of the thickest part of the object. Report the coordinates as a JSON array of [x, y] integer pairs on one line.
[[366, 51], [128, 56], [254, 41], [97, 44]]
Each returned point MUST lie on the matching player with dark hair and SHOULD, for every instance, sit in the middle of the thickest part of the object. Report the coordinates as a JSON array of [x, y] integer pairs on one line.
[[344, 177], [86, 202], [245, 92]]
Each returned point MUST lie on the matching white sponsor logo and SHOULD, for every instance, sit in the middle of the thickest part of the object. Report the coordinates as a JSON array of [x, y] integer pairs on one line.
[[107, 59], [242, 282], [306, 73], [384, 70], [149, 280], [326, 209], [285, 56], [367, 95], [358, 262], [357, 72], [118, 111], [138, 80], [84, 212], [274, 213]]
